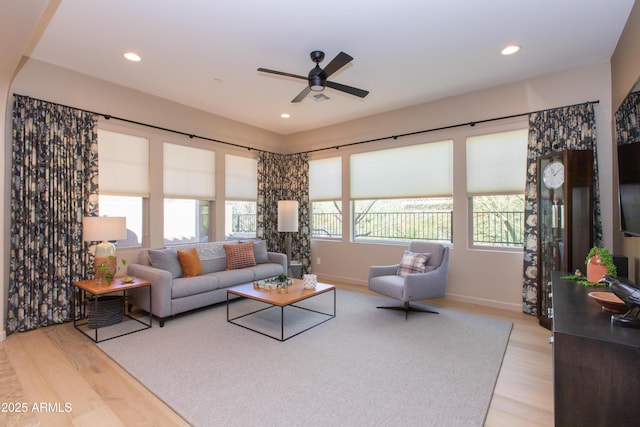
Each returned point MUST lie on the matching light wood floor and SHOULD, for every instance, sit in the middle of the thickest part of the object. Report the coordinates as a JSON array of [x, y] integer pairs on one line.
[[43, 370]]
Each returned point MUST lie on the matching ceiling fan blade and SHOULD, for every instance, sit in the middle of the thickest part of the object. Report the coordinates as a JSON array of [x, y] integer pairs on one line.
[[348, 89], [336, 63], [302, 94], [280, 73]]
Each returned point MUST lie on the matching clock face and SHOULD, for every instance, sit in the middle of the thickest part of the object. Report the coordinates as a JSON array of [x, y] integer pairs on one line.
[[553, 175]]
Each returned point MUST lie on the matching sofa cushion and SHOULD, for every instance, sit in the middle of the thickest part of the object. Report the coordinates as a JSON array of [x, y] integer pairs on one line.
[[233, 277], [264, 271], [190, 263], [187, 286], [412, 262], [166, 259], [239, 256], [213, 265]]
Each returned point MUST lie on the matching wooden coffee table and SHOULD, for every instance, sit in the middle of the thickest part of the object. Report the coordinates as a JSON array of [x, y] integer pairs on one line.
[[284, 298]]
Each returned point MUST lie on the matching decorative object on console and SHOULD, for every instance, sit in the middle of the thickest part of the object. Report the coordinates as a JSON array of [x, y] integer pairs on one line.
[[288, 222], [599, 263], [104, 229], [609, 302], [630, 294]]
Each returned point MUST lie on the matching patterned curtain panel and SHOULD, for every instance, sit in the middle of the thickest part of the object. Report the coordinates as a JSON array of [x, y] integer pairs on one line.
[[284, 177], [565, 128], [628, 120], [54, 183]]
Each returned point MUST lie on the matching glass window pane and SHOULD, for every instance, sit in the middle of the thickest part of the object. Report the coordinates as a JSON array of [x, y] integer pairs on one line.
[[326, 219], [186, 221], [240, 220], [498, 220], [130, 207], [403, 219]]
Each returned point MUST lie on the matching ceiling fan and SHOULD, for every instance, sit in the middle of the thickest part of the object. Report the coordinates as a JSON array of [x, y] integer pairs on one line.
[[317, 77]]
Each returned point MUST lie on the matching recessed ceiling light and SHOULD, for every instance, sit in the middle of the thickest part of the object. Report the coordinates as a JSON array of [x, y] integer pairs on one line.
[[510, 50], [131, 56], [285, 115]]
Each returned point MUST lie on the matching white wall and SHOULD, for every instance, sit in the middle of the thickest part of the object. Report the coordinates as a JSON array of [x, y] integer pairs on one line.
[[491, 278]]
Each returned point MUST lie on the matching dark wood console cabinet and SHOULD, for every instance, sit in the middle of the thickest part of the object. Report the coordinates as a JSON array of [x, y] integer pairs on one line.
[[596, 365]]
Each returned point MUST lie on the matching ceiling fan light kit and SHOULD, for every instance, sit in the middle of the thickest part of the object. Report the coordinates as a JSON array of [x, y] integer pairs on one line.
[[317, 77]]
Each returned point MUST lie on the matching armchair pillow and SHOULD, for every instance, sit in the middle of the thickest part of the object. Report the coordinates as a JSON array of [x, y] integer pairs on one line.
[[190, 263], [240, 256], [412, 262]]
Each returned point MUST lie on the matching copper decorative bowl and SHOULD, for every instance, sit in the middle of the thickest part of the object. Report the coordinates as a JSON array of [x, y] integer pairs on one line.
[[609, 302]]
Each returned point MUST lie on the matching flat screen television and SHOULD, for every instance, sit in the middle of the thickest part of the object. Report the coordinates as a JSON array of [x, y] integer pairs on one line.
[[629, 188]]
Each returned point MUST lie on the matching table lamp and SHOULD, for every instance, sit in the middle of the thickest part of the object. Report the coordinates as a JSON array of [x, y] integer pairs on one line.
[[102, 229], [288, 223]]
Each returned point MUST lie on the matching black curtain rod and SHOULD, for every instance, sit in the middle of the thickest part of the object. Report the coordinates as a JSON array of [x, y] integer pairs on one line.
[[190, 135], [335, 147]]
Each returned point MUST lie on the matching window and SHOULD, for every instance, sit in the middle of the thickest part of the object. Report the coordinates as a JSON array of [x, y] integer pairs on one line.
[[189, 192], [403, 193], [124, 194], [325, 194], [241, 194], [496, 174], [403, 219]]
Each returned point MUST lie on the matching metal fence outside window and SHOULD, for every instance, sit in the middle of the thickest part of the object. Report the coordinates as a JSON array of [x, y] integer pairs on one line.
[[489, 228], [243, 223]]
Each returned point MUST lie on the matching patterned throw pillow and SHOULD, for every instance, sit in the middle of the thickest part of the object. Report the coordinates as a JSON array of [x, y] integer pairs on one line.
[[190, 263], [240, 256], [412, 262]]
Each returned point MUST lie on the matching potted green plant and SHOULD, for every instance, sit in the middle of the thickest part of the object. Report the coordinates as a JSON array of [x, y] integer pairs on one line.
[[599, 262], [105, 273]]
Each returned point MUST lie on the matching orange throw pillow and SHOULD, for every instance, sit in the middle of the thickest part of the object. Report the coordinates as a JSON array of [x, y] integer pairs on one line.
[[240, 256], [190, 263]]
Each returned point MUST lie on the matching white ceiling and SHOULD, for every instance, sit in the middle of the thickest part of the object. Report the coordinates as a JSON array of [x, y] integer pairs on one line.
[[204, 53]]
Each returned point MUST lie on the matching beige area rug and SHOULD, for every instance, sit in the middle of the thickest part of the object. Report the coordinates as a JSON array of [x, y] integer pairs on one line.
[[366, 367]]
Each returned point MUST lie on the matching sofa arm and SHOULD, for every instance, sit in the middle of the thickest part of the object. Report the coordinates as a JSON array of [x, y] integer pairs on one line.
[[161, 283], [383, 270], [278, 258]]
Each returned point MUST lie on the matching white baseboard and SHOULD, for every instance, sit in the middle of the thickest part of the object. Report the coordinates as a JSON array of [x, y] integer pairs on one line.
[[3, 335], [517, 307], [485, 302]]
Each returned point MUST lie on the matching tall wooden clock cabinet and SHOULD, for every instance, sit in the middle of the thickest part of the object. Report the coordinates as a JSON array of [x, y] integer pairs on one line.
[[565, 219]]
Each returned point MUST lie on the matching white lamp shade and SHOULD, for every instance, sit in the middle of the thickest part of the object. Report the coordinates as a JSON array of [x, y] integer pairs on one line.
[[104, 228], [287, 216]]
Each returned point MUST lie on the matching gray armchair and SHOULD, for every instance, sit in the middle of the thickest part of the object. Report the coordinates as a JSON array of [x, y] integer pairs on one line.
[[413, 286]]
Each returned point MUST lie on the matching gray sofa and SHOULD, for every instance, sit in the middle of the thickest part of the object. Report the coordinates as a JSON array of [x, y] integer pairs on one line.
[[172, 293]]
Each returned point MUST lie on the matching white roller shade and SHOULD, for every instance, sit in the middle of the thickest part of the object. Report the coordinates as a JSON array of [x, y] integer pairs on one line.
[[325, 179], [241, 178], [123, 164], [189, 173], [496, 163], [417, 171]]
